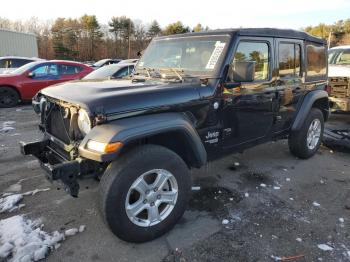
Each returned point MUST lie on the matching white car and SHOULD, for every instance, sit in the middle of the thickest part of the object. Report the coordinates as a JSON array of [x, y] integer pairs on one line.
[[10, 63], [339, 77]]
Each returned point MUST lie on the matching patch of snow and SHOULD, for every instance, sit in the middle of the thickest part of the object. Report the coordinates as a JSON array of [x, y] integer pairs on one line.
[[219, 192], [263, 185], [292, 199], [246, 194], [196, 188], [237, 164], [231, 198], [315, 204], [23, 240], [82, 228], [35, 191], [19, 109], [276, 258], [7, 126], [9, 202], [288, 179], [225, 221], [298, 239], [71, 232], [341, 220], [285, 169], [276, 187], [322, 181], [325, 247], [17, 207]]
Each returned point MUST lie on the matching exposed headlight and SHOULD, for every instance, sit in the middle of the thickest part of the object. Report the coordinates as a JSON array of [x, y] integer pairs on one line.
[[84, 122], [103, 147]]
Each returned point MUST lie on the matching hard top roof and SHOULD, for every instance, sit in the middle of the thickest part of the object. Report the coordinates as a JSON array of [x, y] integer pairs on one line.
[[266, 32]]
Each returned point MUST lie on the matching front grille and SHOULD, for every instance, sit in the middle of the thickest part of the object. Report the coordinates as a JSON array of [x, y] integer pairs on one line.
[[57, 124]]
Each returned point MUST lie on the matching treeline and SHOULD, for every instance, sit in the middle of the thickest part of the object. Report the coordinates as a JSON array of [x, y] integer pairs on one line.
[[338, 33], [84, 38]]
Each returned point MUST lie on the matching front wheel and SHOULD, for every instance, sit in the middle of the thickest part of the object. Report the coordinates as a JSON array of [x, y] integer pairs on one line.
[[8, 97], [305, 142], [144, 193]]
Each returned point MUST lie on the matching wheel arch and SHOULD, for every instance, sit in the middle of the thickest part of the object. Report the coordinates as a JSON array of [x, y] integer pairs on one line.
[[314, 99], [14, 88], [171, 130]]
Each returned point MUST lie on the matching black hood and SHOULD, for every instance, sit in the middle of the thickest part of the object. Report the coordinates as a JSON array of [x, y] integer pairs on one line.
[[123, 96]]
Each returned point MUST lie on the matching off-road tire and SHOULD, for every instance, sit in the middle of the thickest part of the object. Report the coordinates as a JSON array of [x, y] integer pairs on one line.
[[120, 175], [8, 97], [298, 139]]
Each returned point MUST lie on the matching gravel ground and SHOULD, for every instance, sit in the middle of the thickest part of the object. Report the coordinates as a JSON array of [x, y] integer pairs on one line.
[[257, 206]]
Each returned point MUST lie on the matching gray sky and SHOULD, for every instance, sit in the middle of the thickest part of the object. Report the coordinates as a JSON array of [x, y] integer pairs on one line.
[[215, 14]]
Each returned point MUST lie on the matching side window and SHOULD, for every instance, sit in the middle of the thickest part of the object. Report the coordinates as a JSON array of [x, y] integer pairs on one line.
[[46, 70], [122, 72], [19, 62], [289, 60], [5, 63], [316, 61], [70, 70], [257, 52]]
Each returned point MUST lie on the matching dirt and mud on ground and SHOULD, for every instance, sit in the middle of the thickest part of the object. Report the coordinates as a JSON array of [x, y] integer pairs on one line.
[[262, 205]]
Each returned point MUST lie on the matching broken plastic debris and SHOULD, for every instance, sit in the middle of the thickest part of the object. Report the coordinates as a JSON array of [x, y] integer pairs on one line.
[[196, 188], [263, 185], [325, 247], [225, 221], [316, 204]]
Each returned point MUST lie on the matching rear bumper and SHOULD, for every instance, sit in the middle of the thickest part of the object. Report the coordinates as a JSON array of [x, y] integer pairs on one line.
[[56, 167]]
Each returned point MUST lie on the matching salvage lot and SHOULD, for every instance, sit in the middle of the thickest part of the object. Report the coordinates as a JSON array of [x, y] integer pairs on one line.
[[257, 206]]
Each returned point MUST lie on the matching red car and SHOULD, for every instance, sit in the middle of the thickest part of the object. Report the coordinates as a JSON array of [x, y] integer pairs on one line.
[[24, 82]]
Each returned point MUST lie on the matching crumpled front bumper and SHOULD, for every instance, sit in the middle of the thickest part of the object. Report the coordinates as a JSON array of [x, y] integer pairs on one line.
[[56, 167]]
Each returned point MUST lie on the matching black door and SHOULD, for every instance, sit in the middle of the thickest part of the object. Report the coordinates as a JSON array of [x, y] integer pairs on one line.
[[248, 112], [289, 81]]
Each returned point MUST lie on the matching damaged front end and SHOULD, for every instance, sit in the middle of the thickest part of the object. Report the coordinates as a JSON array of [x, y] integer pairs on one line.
[[58, 152]]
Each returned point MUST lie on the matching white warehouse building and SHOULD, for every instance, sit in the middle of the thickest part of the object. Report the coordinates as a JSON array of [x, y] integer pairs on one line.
[[14, 43]]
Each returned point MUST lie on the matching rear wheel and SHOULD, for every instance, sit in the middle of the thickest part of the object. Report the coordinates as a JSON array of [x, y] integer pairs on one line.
[[8, 97], [305, 142], [144, 193]]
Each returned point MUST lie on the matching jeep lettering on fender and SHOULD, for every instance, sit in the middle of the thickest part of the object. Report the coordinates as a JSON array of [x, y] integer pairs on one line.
[[192, 98]]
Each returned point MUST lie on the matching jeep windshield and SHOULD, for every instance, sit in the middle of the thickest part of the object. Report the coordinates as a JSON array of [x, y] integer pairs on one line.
[[339, 56], [191, 56]]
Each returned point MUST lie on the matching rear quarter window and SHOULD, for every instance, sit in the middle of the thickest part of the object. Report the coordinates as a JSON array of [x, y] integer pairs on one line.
[[316, 62], [70, 69]]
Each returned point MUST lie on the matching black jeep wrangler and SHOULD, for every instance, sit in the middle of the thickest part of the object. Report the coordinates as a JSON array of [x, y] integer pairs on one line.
[[192, 98]]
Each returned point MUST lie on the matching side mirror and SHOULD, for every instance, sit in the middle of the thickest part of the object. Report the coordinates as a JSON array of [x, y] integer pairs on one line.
[[242, 71], [31, 74]]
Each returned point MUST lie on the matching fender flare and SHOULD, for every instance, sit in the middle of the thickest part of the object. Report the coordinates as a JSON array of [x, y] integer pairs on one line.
[[305, 107], [131, 129]]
